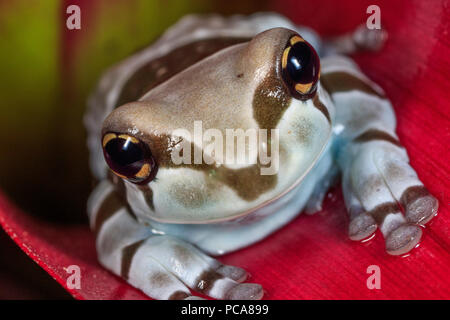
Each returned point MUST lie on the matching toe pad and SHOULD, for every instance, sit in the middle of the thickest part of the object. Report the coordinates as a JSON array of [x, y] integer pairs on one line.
[[403, 239]]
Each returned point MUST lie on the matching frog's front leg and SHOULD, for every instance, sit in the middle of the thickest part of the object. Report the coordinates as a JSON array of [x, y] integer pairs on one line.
[[380, 187], [162, 266]]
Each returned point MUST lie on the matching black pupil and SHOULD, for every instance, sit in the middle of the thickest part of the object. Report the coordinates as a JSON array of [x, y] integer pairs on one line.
[[302, 63], [124, 156]]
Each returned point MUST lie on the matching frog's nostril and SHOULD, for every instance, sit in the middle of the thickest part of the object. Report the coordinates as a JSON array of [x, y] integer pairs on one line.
[[128, 157]]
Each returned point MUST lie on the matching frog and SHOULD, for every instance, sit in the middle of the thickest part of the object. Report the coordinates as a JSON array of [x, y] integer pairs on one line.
[[162, 226]]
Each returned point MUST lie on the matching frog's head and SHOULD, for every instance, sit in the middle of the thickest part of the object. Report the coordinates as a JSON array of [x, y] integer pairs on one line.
[[269, 82]]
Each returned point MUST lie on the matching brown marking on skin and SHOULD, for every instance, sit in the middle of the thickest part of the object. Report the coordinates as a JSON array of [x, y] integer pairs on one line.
[[419, 204], [394, 171], [371, 185], [148, 196], [272, 97], [248, 182], [380, 212], [160, 279], [110, 205], [150, 75], [413, 193], [270, 101], [179, 295], [206, 280], [128, 253], [375, 134], [340, 81], [240, 75], [320, 106], [182, 253]]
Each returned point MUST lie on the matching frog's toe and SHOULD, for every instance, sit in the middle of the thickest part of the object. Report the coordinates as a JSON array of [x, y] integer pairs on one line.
[[215, 285], [361, 227], [246, 291], [420, 206], [403, 239], [148, 275], [194, 298], [235, 273]]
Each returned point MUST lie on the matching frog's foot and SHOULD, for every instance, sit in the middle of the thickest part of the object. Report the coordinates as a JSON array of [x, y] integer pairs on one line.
[[164, 267], [382, 190]]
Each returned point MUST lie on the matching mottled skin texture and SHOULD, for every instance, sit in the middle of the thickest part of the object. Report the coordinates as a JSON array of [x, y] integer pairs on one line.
[[226, 73]]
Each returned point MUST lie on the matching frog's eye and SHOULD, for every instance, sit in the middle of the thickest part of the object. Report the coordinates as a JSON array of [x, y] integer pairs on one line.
[[128, 157], [300, 68]]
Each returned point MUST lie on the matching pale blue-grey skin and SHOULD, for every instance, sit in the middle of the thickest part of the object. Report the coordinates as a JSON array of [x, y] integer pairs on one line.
[[163, 248]]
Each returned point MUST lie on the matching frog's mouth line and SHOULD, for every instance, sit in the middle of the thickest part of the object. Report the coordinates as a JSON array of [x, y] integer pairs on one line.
[[250, 211]]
